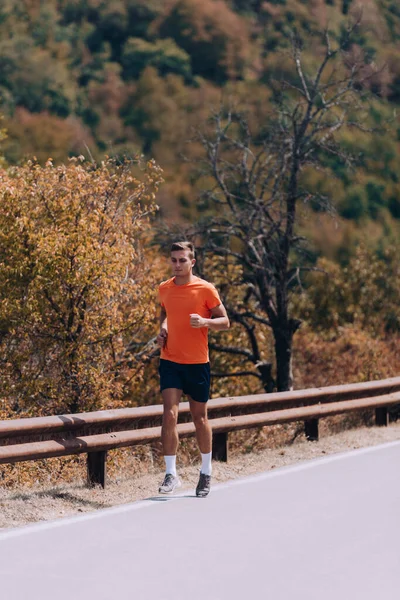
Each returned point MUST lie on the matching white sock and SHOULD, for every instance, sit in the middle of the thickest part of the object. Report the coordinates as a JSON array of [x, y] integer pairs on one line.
[[170, 465], [206, 467]]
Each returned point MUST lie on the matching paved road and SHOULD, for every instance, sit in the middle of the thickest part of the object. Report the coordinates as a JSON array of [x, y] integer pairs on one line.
[[328, 529]]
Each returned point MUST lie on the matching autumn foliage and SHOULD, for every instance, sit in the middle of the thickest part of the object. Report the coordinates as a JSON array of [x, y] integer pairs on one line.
[[94, 77], [73, 284]]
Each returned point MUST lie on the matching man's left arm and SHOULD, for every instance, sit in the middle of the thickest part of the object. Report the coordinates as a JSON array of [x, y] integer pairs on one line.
[[218, 322]]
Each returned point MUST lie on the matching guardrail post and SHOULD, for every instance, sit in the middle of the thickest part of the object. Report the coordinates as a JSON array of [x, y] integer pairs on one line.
[[311, 430], [220, 446], [382, 416], [96, 468]]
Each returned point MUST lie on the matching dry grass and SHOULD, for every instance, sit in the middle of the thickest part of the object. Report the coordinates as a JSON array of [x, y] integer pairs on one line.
[[56, 488]]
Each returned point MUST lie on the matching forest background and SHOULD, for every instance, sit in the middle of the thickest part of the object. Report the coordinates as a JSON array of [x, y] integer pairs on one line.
[[81, 258]]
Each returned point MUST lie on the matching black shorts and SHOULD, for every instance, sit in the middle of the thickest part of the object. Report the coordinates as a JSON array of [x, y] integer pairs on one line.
[[193, 380]]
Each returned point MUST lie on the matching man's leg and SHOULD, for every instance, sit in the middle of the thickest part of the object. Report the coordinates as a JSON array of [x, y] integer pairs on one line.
[[204, 440], [203, 429], [169, 434], [169, 438]]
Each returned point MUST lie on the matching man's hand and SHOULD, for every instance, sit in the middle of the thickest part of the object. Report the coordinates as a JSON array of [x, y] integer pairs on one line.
[[197, 321], [162, 337]]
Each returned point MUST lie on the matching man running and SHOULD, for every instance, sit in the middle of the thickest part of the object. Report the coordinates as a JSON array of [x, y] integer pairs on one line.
[[189, 307]]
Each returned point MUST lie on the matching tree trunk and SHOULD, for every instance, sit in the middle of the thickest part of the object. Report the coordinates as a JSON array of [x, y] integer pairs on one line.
[[283, 352], [265, 370]]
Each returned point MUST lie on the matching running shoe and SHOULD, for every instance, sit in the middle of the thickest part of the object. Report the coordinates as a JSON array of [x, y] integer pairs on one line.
[[170, 483], [203, 487]]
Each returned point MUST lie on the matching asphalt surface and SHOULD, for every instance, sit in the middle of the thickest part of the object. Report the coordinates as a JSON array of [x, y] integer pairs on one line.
[[328, 529]]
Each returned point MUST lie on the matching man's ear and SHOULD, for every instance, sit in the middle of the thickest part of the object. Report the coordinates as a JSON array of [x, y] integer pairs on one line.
[[193, 262]]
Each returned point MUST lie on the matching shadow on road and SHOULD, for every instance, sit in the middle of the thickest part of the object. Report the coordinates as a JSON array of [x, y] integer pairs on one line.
[[168, 498]]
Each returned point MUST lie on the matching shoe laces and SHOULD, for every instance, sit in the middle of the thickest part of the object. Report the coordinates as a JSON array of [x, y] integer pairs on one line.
[[168, 479], [204, 479]]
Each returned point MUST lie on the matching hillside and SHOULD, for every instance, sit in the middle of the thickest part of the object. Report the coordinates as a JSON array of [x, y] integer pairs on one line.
[[94, 77]]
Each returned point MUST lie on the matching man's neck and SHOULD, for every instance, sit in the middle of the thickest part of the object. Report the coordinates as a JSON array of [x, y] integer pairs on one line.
[[184, 280]]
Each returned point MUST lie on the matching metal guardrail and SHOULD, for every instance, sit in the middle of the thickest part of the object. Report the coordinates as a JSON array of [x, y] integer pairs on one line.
[[95, 433]]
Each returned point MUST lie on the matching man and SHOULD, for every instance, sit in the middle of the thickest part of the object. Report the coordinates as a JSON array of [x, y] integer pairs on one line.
[[189, 307]]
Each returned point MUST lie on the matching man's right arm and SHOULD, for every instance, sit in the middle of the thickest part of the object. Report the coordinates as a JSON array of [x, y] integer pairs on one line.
[[162, 336]]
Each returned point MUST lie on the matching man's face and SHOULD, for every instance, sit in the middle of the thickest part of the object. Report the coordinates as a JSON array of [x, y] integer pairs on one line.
[[181, 263]]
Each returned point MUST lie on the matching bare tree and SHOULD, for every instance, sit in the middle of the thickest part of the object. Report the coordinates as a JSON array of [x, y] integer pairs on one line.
[[256, 189]]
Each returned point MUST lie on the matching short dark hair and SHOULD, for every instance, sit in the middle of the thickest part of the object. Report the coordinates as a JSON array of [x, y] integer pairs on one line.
[[183, 246]]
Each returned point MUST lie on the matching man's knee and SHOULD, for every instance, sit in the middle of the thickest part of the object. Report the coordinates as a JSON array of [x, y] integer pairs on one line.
[[170, 417], [199, 420]]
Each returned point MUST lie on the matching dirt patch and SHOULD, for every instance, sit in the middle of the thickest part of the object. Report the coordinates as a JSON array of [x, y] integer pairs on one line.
[[138, 476]]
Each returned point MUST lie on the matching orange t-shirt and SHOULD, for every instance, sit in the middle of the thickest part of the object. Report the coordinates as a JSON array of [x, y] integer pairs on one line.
[[186, 344]]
